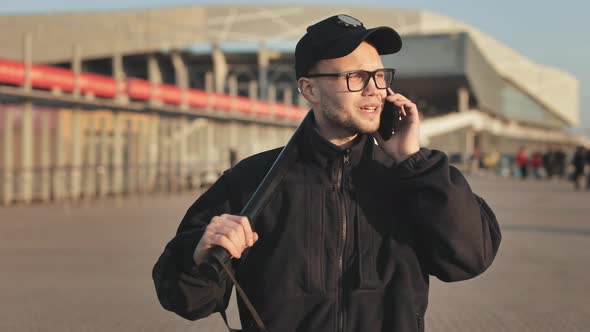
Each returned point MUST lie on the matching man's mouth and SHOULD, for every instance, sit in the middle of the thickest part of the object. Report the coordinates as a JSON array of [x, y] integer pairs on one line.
[[369, 109]]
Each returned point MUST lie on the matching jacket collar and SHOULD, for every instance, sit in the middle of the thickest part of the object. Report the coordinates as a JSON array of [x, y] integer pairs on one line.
[[318, 150]]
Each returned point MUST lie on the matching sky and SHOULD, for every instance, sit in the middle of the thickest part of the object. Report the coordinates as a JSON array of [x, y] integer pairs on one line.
[[553, 33]]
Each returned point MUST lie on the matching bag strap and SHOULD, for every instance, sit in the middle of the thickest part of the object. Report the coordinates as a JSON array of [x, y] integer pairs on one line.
[[260, 325], [255, 204]]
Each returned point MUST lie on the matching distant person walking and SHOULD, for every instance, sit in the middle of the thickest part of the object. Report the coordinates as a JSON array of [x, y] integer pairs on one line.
[[522, 160], [536, 164], [549, 158], [475, 161], [579, 162], [560, 162]]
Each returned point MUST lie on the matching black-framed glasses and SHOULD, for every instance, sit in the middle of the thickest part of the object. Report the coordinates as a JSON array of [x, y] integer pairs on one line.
[[357, 80], [348, 21]]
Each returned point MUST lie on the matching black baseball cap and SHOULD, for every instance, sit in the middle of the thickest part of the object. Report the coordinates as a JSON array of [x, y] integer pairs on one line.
[[336, 37]]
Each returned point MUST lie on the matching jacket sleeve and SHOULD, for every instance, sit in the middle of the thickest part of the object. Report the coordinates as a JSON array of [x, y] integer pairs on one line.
[[456, 233], [179, 285]]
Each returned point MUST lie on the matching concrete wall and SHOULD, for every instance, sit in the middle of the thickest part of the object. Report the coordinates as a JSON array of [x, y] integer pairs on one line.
[[56, 154]]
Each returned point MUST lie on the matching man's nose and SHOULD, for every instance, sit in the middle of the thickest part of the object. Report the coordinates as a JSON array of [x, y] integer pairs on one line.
[[371, 87]]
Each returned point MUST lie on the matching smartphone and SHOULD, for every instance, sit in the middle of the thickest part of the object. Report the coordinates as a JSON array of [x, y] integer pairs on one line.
[[389, 121]]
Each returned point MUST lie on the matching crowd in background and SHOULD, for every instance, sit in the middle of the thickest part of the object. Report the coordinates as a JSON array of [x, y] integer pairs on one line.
[[553, 163]]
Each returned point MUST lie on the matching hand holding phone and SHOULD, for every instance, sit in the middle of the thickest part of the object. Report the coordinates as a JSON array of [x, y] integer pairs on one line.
[[389, 121], [399, 117]]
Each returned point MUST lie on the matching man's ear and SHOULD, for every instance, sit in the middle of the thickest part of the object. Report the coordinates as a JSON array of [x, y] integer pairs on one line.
[[309, 91]]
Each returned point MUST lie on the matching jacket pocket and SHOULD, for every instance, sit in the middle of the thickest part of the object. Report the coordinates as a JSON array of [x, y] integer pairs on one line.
[[288, 247], [368, 243], [315, 241], [367, 310]]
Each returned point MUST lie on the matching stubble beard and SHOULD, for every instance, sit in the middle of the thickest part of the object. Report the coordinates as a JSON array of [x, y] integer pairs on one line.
[[336, 115]]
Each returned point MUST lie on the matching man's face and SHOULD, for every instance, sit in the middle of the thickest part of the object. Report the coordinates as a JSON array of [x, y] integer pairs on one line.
[[343, 113]]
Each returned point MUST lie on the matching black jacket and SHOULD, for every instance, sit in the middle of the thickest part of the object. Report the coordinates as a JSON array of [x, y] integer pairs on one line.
[[346, 244]]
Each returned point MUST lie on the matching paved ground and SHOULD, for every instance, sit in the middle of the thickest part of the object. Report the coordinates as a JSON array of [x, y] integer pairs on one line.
[[86, 267]]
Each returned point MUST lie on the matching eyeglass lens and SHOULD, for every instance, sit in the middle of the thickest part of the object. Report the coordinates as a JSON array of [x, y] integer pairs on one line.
[[358, 80]]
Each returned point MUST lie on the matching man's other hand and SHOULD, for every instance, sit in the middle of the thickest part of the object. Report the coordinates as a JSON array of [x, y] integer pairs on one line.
[[231, 232]]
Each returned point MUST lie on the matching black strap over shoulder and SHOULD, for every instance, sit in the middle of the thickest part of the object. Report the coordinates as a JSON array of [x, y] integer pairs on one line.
[[219, 259], [260, 325]]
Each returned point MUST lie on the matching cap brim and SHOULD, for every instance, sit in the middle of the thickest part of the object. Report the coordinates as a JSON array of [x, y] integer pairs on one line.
[[384, 39]]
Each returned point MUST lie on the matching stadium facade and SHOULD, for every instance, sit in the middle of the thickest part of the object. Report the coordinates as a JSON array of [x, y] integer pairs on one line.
[[129, 84]]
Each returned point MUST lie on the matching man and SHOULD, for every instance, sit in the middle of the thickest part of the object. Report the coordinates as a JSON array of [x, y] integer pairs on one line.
[[522, 160], [579, 163], [349, 239]]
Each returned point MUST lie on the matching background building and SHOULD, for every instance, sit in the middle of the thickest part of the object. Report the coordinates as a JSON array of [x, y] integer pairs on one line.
[[164, 99]]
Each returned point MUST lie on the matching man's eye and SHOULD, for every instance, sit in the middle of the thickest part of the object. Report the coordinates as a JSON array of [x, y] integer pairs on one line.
[[358, 76]]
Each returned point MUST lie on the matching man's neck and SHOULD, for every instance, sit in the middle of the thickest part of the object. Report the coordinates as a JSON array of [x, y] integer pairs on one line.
[[341, 140], [335, 135]]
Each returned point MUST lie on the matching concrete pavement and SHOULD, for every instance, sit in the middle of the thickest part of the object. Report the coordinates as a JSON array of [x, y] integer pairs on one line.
[[87, 266]]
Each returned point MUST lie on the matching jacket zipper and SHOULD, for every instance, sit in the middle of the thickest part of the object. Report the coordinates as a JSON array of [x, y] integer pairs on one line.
[[419, 320], [340, 310]]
